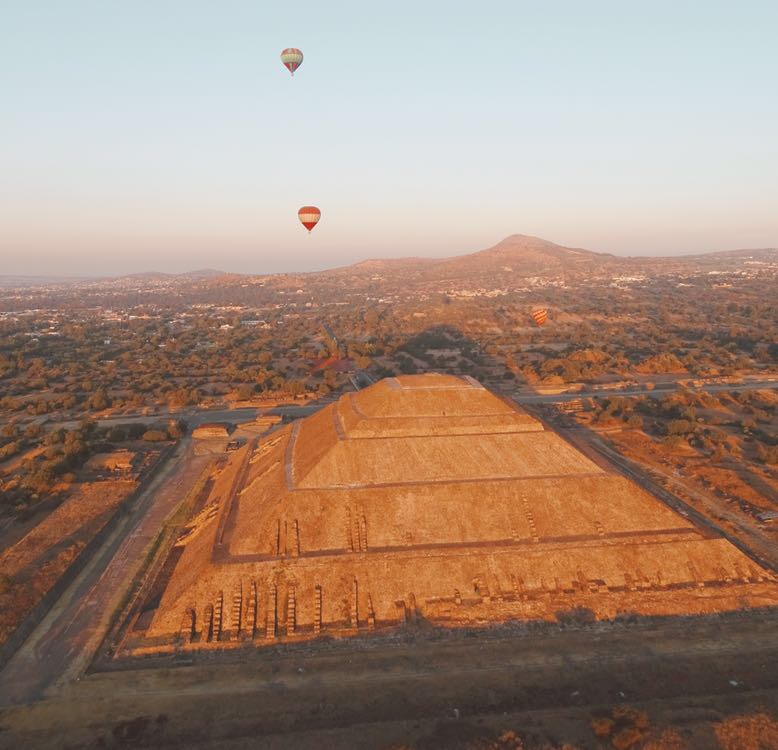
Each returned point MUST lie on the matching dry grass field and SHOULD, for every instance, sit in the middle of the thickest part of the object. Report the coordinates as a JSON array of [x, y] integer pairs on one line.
[[32, 565]]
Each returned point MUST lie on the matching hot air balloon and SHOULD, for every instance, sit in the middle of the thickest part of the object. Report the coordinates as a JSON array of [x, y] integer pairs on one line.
[[540, 315], [292, 58], [309, 216]]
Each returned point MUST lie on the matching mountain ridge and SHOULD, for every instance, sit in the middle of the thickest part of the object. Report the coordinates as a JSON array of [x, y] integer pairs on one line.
[[518, 253]]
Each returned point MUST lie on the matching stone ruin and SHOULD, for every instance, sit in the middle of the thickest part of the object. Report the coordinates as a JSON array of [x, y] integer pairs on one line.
[[429, 498]]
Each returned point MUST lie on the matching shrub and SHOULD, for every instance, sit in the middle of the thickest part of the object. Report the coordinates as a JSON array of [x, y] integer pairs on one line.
[[117, 435], [626, 738], [680, 427], [11, 449], [576, 616], [602, 726], [154, 436], [673, 441], [176, 429]]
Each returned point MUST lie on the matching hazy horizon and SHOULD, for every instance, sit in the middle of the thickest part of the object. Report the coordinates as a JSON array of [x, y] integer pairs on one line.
[[226, 270], [170, 138]]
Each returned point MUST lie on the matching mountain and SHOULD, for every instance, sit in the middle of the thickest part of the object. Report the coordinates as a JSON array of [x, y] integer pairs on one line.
[[519, 262], [203, 273], [516, 256], [522, 256]]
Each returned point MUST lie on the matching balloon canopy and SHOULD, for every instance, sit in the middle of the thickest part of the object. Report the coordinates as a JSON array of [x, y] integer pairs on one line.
[[309, 216], [292, 59], [540, 315]]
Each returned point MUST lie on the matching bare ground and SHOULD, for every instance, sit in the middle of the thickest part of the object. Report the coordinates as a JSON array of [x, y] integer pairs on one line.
[[427, 690]]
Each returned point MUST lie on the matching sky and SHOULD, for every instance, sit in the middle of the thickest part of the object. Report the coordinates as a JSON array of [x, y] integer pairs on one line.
[[166, 135]]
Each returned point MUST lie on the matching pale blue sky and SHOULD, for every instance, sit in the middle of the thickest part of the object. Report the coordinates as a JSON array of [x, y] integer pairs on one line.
[[166, 134]]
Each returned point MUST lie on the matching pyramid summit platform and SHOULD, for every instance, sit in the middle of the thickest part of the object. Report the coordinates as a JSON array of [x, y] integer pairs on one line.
[[428, 498]]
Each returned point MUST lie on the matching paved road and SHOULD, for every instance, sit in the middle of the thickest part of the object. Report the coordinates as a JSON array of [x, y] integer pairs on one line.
[[659, 391], [61, 647], [195, 417]]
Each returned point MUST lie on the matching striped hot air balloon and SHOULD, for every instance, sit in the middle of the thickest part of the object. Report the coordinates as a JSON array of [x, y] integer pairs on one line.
[[540, 315], [292, 59], [309, 216]]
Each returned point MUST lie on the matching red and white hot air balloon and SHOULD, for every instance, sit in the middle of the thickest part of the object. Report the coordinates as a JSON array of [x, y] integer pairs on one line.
[[540, 315], [309, 216], [292, 59]]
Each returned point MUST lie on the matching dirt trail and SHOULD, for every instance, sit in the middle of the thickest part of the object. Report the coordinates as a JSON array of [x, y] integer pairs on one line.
[[62, 645], [359, 690]]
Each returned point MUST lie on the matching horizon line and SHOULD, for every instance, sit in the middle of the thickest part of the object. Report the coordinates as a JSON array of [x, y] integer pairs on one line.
[[222, 272]]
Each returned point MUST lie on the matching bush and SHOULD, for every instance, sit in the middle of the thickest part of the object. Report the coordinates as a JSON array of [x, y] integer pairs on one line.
[[33, 431], [117, 435], [673, 441], [680, 427], [176, 428], [602, 726], [11, 449], [154, 436], [576, 616], [626, 738], [625, 726], [244, 392], [134, 430], [767, 455]]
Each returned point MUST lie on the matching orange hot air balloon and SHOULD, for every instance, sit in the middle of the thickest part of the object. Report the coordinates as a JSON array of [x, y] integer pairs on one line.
[[540, 315], [292, 59], [309, 216]]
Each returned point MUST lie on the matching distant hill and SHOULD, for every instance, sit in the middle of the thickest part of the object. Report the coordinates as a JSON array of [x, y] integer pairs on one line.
[[767, 254], [517, 255], [519, 251], [515, 258], [205, 273], [18, 282], [522, 255], [145, 276]]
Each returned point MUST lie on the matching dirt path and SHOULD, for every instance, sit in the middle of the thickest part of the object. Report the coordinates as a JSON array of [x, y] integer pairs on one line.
[[62, 645], [368, 694]]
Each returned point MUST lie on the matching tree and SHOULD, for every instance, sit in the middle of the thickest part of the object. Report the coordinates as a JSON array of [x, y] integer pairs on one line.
[[56, 436], [767, 454], [680, 427], [99, 400], [635, 422], [33, 431], [176, 429], [244, 392], [8, 450], [747, 425], [117, 434]]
